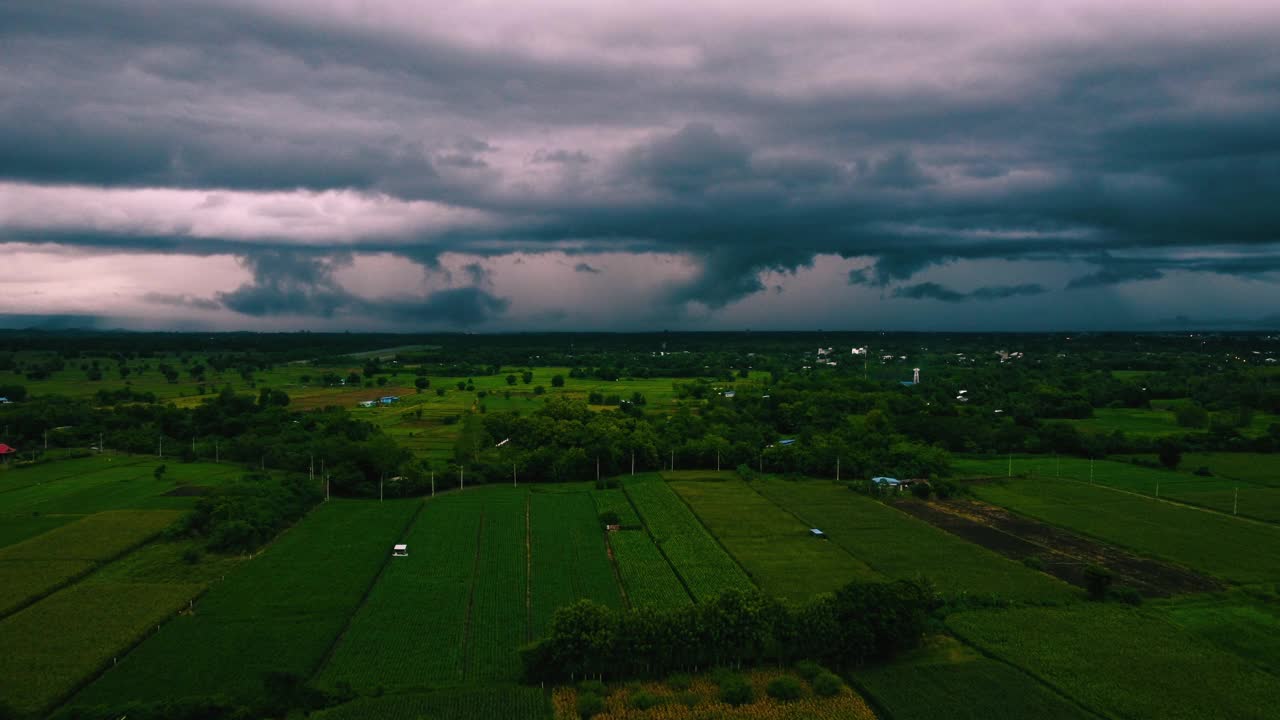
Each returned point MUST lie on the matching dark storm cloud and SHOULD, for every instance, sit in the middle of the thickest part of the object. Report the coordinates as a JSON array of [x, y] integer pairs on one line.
[[766, 146], [585, 268], [934, 291], [181, 301], [287, 283]]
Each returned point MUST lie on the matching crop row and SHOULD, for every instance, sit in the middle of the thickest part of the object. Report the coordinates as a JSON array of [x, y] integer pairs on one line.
[[568, 556], [616, 501], [706, 568], [647, 576], [278, 612], [410, 629]]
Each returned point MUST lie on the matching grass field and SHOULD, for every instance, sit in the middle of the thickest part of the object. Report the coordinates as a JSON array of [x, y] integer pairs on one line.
[[1219, 492], [948, 680], [498, 622], [1155, 422], [707, 570], [1231, 548], [57, 643], [615, 500], [646, 574], [899, 546], [280, 611], [35, 566], [509, 703], [771, 543], [1124, 661], [1255, 468]]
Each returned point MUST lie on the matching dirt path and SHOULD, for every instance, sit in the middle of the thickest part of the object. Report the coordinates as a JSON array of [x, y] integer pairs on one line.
[[1063, 554]]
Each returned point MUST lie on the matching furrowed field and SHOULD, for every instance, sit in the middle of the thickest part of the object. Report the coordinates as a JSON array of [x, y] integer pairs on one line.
[[1123, 662], [899, 546], [776, 548], [569, 556], [646, 574], [279, 612], [696, 556], [1236, 549]]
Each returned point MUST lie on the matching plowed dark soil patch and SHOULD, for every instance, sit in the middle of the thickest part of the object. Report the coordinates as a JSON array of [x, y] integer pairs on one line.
[[1062, 554]]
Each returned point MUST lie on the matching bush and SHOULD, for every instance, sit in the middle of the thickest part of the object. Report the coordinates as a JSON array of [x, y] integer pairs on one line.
[[1203, 471], [688, 698], [1127, 595], [1035, 562], [827, 684], [191, 556], [609, 517], [784, 688], [594, 687], [589, 705], [809, 670], [1097, 581], [921, 490], [643, 700], [736, 691]]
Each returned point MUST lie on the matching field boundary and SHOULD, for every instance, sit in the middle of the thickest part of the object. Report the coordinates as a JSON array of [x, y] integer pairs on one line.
[[617, 574], [1180, 503], [364, 598], [135, 460], [645, 524]]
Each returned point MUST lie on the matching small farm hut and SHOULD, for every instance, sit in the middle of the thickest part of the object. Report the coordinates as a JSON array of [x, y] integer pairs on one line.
[[400, 550]]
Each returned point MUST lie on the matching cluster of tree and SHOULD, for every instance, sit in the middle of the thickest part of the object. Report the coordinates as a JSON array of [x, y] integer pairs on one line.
[[859, 623], [243, 515]]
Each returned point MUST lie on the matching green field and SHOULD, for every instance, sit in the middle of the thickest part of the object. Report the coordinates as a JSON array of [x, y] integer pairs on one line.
[[615, 500], [498, 622], [897, 545], [697, 558], [776, 548], [947, 680], [1154, 422], [279, 612], [1219, 492], [1236, 622], [569, 557], [646, 574], [56, 644], [1236, 549], [1254, 468], [40, 564], [1124, 662]]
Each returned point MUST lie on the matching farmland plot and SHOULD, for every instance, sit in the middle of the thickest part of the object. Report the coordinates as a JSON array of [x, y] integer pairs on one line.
[[1123, 662], [1206, 541], [950, 681], [278, 612], [125, 482], [704, 566], [52, 646], [499, 612], [646, 575], [776, 548], [899, 546], [615, 500], [410, 630], [569, 560], [33, 567]]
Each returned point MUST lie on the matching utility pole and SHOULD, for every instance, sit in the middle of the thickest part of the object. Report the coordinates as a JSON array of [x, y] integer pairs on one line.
[[193, 445], [462, 480], [513, 475], [717, 461], [1090, 471], [597, 469], [1010, 464], [162, 445], [673, 460], [433, 483], [1157, 487], [215, 451], [311, 469], [837, 469], [1235, 502], [46, 439], [633, 462], [381, 479]]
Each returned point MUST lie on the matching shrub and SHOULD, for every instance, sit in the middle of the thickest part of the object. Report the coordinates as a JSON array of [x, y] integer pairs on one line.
[[594, 687], [809, 670], [191, 556], [589, 705], [1035, 562], [1203, 471], [1097, 581], [1127, 595], [643, 700], [736, 691], [921, 490], [688, 698], [827, 684], [784, 688], [609, 517]]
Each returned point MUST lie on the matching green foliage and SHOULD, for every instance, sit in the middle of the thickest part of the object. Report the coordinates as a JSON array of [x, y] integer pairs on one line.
[[679, 681], [643, 700], [784, 688], [809, 670], [589, 705], [735, 690], [241, 516], [827, 684]]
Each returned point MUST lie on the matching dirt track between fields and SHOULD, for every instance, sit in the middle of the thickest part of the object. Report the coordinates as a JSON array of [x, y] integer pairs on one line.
[[1063, 554]]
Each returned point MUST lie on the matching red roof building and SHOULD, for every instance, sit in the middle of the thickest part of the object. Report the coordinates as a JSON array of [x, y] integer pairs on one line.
[[6, 450]]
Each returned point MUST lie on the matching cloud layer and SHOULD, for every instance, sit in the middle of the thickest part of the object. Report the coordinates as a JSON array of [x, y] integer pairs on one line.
[[901, 148]]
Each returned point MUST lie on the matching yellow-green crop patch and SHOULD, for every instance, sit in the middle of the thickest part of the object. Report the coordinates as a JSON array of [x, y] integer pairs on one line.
[[52, 646], [780, 552]]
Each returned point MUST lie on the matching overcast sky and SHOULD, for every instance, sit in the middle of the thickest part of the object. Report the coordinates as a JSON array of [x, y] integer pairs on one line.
[[497, 166]]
